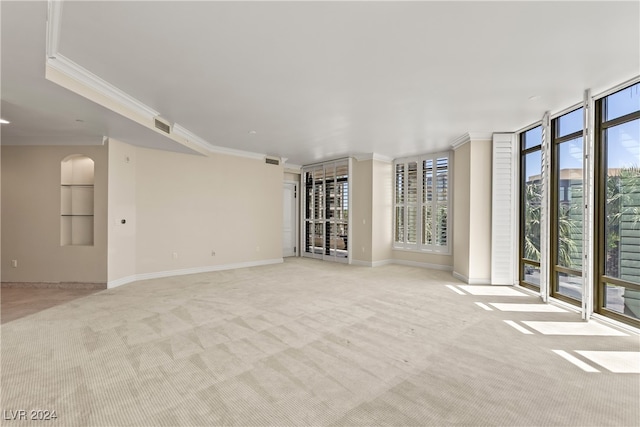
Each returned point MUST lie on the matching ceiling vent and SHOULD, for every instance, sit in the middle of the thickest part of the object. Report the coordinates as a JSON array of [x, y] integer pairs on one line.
[[162, 125], [272, 161]]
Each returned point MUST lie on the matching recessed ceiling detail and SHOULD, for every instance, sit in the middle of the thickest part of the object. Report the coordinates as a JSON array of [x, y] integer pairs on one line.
[[62, 64], [393, 78]]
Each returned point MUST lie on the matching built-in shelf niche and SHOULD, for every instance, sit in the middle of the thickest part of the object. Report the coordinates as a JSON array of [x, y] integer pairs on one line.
[[76, 200]]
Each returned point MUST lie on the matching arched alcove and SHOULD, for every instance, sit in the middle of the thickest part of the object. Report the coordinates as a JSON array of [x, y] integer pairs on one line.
[[76, 200]]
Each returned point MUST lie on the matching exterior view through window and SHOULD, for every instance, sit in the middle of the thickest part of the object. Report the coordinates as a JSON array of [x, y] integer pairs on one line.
[[618, 202], [567, 206], [614, 237], [530, 206]]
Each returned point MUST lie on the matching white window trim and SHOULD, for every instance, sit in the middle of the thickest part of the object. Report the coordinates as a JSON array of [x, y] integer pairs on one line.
[[418, 246]]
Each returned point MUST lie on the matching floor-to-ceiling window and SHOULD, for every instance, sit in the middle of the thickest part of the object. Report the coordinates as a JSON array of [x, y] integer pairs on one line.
[[554, 204], [326, 211], [617, 141], [567, 206], [530, 206]]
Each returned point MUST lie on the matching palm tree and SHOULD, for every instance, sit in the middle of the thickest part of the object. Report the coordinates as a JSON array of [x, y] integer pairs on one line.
[[567, 228], [533, 205], [622, 208]]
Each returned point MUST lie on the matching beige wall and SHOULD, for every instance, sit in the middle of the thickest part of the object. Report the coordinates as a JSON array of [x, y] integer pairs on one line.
[[373, 218], [190, 206], [178, 209], [428, 260], [290, 176], [31, 217], [122, 206], [372, 211], [472, 212], [480, 215], [382, 211], [461, 212], [361, 201]]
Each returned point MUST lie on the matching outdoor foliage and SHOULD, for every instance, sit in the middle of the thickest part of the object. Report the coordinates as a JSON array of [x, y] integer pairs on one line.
[[623, 206]]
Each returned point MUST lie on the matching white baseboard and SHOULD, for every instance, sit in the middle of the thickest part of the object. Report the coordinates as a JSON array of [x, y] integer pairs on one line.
[[401, 262], [422, 264], [122, 281], [160, 274], [370, 263], [471, 281], [613, 322], [460, 277]]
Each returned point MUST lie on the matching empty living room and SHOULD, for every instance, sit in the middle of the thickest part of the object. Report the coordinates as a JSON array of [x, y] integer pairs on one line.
[[310, 213]]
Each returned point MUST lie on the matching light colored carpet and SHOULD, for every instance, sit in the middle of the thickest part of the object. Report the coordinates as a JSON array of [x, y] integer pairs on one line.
[[305, 343]]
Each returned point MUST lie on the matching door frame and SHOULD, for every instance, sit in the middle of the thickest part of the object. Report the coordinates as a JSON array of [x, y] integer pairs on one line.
[[296, 218]]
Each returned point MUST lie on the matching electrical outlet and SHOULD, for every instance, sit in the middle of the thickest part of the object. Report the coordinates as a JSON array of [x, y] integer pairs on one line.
[[14, 263], [257, 248], [175, 255], [213, 253]]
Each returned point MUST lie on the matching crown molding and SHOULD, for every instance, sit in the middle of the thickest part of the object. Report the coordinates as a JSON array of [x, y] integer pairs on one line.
[[481, 136], [86, 78], [69, 68], [54, 18], [382, 158], [373, 156], [291, 166], [470, 136], [185, 133], [460, 141]]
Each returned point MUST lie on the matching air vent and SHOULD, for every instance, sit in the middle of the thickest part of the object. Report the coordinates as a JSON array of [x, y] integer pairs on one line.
[[272, 161], [162, 125]]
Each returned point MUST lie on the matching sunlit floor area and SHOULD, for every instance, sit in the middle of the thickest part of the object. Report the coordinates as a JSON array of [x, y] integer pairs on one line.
[[308, 342]]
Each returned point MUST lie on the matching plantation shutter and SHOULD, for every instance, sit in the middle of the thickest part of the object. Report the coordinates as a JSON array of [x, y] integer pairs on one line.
[[421, 203], [504, 243]]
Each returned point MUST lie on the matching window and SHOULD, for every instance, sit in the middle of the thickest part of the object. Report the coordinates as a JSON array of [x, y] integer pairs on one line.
[[326, 211], [421, 203], [567, 204], [530, 206], [589, 248], [617, 195]]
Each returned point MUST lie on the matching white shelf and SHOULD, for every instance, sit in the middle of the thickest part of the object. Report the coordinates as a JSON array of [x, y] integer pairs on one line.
[[76, 201]]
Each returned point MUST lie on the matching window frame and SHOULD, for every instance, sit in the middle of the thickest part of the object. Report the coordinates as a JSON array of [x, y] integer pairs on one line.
[[523, 262], [600, 278], [421, 202], [554, 201]]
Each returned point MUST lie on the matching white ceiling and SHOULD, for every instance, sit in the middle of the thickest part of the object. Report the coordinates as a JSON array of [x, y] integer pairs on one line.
[[316, 80]]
